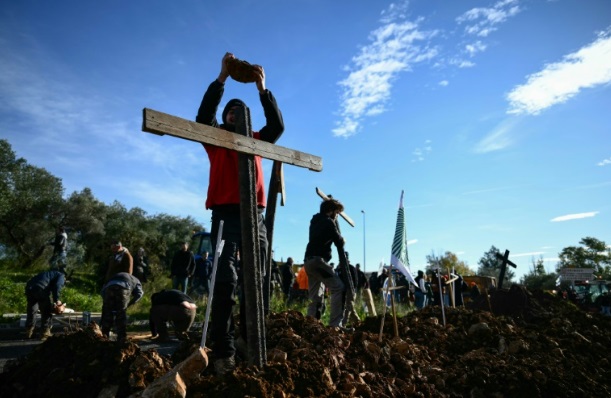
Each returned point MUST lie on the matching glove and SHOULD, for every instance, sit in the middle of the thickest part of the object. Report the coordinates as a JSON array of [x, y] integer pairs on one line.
[[241, 71]]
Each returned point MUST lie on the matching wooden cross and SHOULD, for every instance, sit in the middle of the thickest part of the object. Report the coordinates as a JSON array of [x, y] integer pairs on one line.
[[242, 142], [505, 261]]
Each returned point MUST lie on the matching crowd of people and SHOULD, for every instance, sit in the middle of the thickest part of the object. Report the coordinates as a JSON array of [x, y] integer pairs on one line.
[[317, 279]]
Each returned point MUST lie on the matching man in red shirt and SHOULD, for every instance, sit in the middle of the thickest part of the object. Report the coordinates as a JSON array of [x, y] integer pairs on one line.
[[224, 201]]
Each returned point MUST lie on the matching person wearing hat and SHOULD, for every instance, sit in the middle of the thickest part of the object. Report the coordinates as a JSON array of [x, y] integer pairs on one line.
[[323, 232], [120, 261], [224, 200]]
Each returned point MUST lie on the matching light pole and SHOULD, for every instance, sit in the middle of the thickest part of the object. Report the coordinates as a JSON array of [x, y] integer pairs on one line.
[[364, 258]]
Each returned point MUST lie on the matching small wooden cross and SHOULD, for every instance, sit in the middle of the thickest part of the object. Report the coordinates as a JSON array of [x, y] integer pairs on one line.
[[242, 142], [505, 261]]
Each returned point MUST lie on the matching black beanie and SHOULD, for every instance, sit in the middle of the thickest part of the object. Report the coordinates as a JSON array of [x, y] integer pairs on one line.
[[231, 104]]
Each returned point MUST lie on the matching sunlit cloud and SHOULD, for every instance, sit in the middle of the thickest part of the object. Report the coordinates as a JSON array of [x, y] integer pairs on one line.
[[604, 162], [499, 138], [588, 67], [394, 47], [444, 83], [482, 21], [412, 241], [576, 216], [419, 154], [530, 254]]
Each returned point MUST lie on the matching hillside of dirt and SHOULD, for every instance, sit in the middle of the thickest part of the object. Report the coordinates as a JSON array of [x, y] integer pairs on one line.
[[516, 344]]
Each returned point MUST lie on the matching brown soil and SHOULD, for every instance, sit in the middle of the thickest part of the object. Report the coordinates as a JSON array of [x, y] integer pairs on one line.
[[529, 345]]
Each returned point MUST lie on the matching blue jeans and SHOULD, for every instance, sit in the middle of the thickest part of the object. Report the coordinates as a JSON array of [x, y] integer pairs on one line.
[[180, 281], [420, 299]]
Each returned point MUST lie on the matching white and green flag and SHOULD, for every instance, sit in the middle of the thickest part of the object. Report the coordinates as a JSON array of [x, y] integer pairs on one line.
[[398, 256]]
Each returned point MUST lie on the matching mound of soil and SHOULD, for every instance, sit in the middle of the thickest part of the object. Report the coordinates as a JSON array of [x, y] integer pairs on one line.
[[517, 343]]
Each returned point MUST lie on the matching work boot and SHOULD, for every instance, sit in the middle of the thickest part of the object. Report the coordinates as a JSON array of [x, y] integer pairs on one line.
[[29, 332], [46, 334], [241, 347], [224, 365]]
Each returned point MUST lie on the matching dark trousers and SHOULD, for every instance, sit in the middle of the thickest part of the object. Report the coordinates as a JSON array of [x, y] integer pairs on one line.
[[222, 329], [39, 301], [114, 310], [181, 318]]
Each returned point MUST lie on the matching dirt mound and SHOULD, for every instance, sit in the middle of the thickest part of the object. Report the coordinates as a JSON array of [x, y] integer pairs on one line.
[[530, 345], [82, 364]]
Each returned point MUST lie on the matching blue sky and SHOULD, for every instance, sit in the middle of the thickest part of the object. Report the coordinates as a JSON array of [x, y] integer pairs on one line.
[[491, 116]]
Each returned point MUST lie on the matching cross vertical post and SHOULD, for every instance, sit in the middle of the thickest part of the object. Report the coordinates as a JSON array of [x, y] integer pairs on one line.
[[250, 254], [504, 262], [247, 147]]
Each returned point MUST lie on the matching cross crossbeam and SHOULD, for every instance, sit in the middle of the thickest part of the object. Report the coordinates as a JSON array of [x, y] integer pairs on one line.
[[161, 123]]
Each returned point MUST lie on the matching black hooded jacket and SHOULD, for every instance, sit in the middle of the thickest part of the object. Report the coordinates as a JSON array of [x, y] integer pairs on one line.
[[323, 232]]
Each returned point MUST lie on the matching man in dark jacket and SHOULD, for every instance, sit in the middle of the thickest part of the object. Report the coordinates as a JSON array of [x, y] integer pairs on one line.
[[42, 293], [288, 277], [121, 291], [224, 201], [183, 267], [323, 233], [60, 247], [171, 306]]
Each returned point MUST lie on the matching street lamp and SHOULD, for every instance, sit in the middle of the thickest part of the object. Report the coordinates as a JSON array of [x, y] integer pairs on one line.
[[364, 258]]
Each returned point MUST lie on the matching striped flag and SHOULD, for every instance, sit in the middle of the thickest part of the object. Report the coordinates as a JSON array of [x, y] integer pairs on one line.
[[398, 256]]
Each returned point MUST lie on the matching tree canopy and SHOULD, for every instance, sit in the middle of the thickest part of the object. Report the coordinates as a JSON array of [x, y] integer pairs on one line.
[[32, 206]]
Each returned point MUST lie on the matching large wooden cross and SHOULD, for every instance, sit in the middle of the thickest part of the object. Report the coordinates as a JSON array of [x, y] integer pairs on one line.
[[242, 142]]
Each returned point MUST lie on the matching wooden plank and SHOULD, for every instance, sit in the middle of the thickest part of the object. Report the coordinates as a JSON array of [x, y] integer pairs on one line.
[[161, 123]]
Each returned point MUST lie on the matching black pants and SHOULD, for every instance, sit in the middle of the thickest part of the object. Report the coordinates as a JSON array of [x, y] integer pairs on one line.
[[39, 301], [222, 329]]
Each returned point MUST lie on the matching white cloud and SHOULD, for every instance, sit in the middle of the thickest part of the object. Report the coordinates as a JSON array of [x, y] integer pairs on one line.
[[475, 48], [393, 49], [527, 254], [588, 67], [444, 83], [482, 21], [498, 139], [604, 162], [576, 216], [412, 241], [419, 153]]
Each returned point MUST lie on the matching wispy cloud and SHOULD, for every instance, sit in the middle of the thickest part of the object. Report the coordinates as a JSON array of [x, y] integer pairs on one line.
[[530, 254], [588, 67], [480, 191], [412, 241], [575, 216], [482, 21], [394, 47], [604, 162], [479, 23], [420, 153], [499, 138]]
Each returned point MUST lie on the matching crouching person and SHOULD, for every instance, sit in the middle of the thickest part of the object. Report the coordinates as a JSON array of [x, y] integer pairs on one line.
[[42, 293], [171, 306], [121, 291]]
